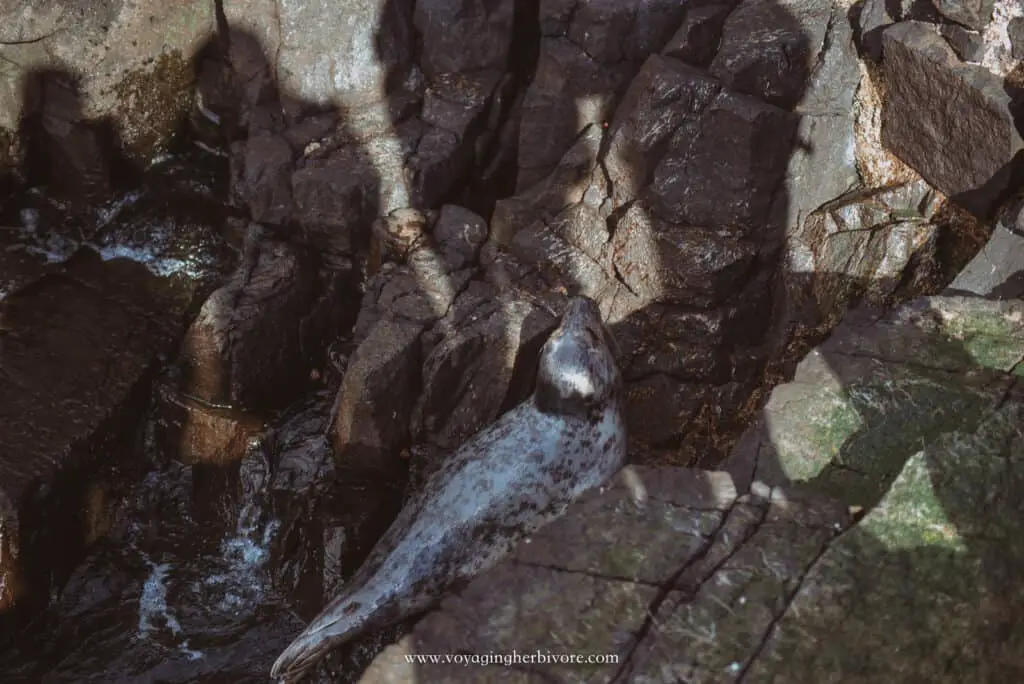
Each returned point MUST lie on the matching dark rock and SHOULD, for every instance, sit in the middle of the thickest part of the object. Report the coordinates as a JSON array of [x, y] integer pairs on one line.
[[78, 350], [261, 172], [694, 184], [468, 374], [137, 79], [463, 35], [974, 14], [589, 50], [948, 120], [697, 39], [198, 433], [459, 234], [769, 47], [245, 345], [998, 269], [663, 96], [968, 44], [858, 248], [663, 262], [377, 395], [567, 184]]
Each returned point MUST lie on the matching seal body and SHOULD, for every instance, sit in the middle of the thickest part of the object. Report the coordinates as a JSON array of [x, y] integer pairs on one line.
[[496, 489]]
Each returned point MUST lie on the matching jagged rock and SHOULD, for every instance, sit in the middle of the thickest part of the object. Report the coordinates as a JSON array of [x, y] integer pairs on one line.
[[663, 96], [567, 184], [678, 264], [948, 120], [998, 269], [468, 375], [697, 39], [196, 433], [694, 185], [377, 396], [139, 78], [880, 387], [463, 35], [460, 234], [769, 48], [588, 51], [859, 248], [322, 60], [601, 579], [974, 14], [246, 346], [968, 45], [261, 173]]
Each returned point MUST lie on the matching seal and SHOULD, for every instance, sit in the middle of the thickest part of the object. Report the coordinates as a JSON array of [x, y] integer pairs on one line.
[[496, 489]]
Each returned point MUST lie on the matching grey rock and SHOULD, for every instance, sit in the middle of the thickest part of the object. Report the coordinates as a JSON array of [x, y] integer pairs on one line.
[[139, 78], [968, 45], [697, 39], [974, 14], [463, 35], [948, 120], [459, 234], [998, 269], [1015, 30], [678, 264], [769, 48], [693, 185]]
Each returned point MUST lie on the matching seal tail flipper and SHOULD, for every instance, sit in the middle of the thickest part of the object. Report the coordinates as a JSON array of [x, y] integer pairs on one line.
[[341, 620]]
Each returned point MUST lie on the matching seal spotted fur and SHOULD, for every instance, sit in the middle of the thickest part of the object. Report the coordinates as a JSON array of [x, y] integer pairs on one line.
[[496, 489]]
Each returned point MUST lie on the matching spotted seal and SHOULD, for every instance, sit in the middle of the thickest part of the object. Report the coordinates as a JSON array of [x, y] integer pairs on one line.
[[496, 489]]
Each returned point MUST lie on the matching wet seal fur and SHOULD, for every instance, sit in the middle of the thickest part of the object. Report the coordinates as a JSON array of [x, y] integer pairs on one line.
[[496, 489]]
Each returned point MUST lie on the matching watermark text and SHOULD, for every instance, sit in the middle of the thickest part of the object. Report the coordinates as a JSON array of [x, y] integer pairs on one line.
[[514, 658]]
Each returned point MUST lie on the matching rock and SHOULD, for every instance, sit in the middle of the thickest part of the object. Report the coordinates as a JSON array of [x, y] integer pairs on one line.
[[1015, 30], [460, 234], [568, 183], [463, 35], [197, 433], [261, 173], [139, 78], [78, 350], [998, 269], [696, 41], [588, 51], [322, 58], [468, 375], [377, 395], [677, 264], [859, 248], [948, 120], [974, 14], [769, 48], [968, 45], [910, 588], [880, 387], [603, 599], [245, 347], [694, 185]]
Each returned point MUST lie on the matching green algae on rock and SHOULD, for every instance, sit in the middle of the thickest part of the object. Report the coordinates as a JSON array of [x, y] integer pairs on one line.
[[927, 587]]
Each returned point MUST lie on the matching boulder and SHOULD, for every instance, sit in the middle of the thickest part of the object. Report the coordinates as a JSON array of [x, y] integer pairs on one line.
[[950, 121]]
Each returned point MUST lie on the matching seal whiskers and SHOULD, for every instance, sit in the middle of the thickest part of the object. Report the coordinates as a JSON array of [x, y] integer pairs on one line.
[[496, 489]]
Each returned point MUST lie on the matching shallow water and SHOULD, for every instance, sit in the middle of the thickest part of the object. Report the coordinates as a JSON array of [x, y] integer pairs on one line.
[[204, 566]]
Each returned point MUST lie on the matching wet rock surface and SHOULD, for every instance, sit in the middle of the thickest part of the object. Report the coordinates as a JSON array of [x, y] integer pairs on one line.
[[415, 189]]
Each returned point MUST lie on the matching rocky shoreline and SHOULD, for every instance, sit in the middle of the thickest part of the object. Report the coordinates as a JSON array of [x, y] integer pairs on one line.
[[766, 198]]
